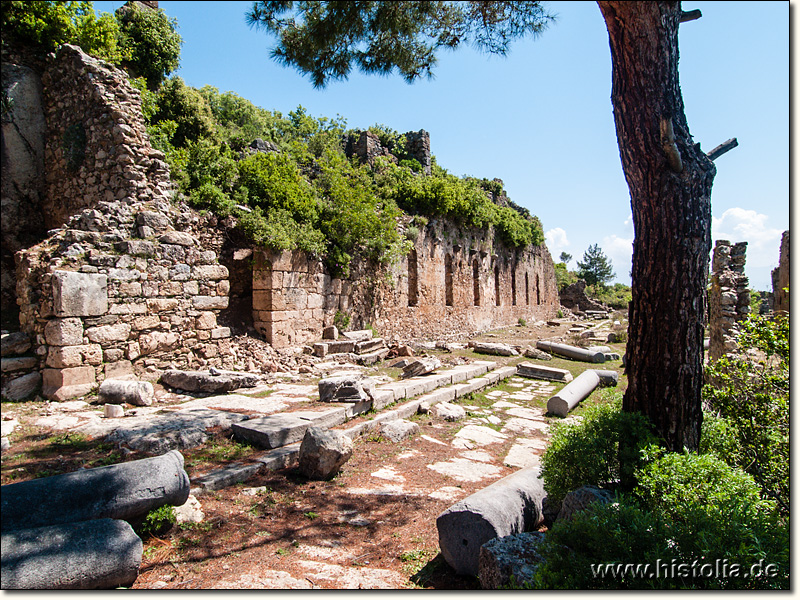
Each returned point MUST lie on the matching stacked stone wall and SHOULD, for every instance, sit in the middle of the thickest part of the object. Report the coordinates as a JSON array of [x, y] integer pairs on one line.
[[450, 283], [780, 278], [728, 297], [131, 279]]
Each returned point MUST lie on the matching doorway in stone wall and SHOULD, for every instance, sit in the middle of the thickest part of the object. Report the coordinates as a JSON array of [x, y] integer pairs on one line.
[[239, 314], [413, 279], [448, 280]]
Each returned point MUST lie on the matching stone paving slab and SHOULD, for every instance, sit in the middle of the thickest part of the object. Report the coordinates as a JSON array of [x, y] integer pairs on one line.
[[285, 428]]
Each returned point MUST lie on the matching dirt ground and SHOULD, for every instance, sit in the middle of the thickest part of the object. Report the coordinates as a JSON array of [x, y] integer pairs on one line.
[[372, 526]]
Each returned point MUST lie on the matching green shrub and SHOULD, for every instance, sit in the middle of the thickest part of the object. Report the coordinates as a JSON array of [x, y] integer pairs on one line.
[[208, 196], [157, 521], [591, 452], [341, 320], [150, 42], [278, 230], [273, 181], [185, 106], [753, 399]]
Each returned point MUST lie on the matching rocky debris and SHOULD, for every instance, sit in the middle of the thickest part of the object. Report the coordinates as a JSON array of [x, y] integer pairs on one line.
[[362, 335], [537, 354], [397, 430], [509, 561], [121, 491], [354, 387], [494, 348], [118, 391], [14, 343], [508, 506], [535, 371], [323, 452], [213, 381], [449, 412], [330, 333], [581, 499], [190, 511], [97, 554], [569, 396], [421, 366]]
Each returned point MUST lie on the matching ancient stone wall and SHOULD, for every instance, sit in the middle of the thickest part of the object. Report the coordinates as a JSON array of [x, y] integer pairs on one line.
[[728, 297], [574, 297], [130, 278], [450, 282], [780, 278]]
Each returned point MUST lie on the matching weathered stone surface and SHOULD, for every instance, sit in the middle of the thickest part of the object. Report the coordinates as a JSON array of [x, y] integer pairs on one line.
[[493, 348], [449, 412], [361, 335], [573, 352], [346, 387], [113, 411], [64, 384], [341, 346], [535, 371], [177, 238], [607, 377], [97, 554], [64, 332], [109, 333], [569, 397], [122, 491], [580, 499], [323, 452], [537, 354], [79, 294], [370, 345], [60, 357], [283, 429], [17, 342], [508, 506], [118, 391], [509, 561], [17, 363], [398, 429], [205, 381], [190, 511], [23, 387], [421, 366], [210, 302]]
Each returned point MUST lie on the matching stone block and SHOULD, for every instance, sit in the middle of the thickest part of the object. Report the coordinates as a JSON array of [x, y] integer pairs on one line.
[[421, 366], [509, 561], [148, 322], [177, 238], [17, 342], [119, 391], [17, 363], [121, 369], [206, 320], [220, 333], [361, 335], [322, 453], [207, 381], [157, 341], [493, 348], [64, 332], [535, 371], [60, 357], [283, 429], [129, 308], [210, 272], [106, 334], [79, 294], [397, 430], [23, 387], [161, 304], [341, 346], [346, 387], [330, 333], [210, 302], [320, 349]]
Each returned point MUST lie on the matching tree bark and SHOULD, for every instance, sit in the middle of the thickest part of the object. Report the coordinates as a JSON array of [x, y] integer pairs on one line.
[[670, 181]]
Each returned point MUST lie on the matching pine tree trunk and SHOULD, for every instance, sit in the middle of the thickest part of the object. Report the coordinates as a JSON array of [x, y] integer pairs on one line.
[[670, 181]]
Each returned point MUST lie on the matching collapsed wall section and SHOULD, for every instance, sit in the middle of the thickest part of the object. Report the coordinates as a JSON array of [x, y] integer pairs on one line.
[[728, 297], [449, 283]]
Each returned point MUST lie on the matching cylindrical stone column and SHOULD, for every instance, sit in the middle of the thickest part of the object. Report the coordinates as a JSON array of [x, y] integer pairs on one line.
[[572, 393]]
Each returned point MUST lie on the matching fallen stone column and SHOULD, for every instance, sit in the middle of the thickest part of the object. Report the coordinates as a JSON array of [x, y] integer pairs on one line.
[[122, 491], [572, 352], [496, 349], [571, 394], [119, 391], [99, 554], [608, 378], [511, 505]]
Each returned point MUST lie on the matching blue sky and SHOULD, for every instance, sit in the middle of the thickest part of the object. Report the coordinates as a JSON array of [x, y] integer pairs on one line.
[[540, 119]]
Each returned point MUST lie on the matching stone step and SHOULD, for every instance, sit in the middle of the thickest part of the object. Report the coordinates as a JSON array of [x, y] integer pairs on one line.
[[283, 432]]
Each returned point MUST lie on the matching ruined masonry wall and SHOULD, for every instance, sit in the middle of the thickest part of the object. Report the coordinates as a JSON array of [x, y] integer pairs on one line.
[[780, 277], [728, 297], [451, 282], [130, 280]]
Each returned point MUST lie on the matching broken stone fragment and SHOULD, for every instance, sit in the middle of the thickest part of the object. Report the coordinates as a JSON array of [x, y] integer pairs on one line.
[[362, 335], [493, 348], [535, 371], [509, 561], [330, 333], [398, 429], [14, 343], [120, 391], [204, 381], [537, 354], [449, 412], [421, 366], [323, 452], [346, 388]]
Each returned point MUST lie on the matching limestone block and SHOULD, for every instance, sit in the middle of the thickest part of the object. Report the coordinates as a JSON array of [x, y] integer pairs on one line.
[[130, 288], [17, 363], [210, 272], [105, 334], [119, 391], [133, 351], [449, 412], [154, 220], [17, 342], [323, 452], [421, 366], [161, 304], [210, 302], [79, 294], [113, 411], [346, 387], [121, 369], [148, 322], [397, 430], [121, 491], [23, 387], [129, 308], [60, 357], [157, 341], [206, 320], [137, 248], [509, 560], [177, 238], [361, 335], [508, 506], [535, 371], [206, 381], [220, 333], [86, 555], [170, 288], [191, 288], [493, 348], [223, 287]]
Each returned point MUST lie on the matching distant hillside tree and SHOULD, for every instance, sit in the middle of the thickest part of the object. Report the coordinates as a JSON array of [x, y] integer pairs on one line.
[[595, 269], [565, 257]]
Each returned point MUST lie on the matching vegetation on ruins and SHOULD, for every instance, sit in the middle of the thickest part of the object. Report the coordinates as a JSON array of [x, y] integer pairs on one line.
[[143, 40]]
